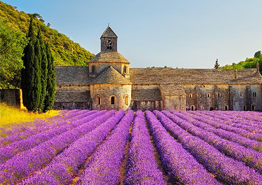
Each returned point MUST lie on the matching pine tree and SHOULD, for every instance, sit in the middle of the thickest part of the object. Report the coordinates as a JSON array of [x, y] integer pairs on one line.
[[43, 63], [51, 80], [216, 65]]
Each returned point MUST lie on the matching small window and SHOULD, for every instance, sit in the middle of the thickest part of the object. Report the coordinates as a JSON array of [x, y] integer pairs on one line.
[[112, 100], [190, 95], [98, 100], [219, 94], [208, 95], [245, 108], [254, 94], [126, 100], [124, 69], [226, 107], [109, 44], [192, 107], [253, 107], [241, 94], [93, 69]]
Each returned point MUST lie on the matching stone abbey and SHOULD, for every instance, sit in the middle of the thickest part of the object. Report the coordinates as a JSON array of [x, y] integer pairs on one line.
[[109, 83]]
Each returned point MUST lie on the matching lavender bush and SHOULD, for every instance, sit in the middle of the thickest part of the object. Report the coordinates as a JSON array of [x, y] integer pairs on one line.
[[224, 168], [66, 165], [180, 165], [24, 164], [141, 165], [105, 164]]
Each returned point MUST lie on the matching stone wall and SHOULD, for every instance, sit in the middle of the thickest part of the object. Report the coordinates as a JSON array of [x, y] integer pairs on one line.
[[101, 95], [11, 97]]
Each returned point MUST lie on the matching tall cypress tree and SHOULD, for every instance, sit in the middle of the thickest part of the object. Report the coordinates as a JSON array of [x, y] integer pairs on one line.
[[31, 82], [51, 80], [43, 63]]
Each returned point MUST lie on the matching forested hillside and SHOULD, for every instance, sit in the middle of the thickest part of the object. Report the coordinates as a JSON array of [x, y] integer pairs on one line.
[[13, 29], [248, 63]]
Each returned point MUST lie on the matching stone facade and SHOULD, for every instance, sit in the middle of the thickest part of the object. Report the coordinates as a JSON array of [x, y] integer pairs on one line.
[[109, 83]]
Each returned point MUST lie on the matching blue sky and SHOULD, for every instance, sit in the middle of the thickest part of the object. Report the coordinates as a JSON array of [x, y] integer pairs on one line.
[[176, 33]]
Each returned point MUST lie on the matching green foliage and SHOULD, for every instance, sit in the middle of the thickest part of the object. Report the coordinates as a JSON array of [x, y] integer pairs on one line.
[[31, 73], [43, 64], [14, 25], [12, 43], [51, 78], [216, 64], [248, 63]]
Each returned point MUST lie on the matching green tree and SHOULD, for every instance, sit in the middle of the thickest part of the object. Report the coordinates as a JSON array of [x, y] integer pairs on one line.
[[43, 63], [257, 54], [31, 74], [12, 43], [51, 80], [216, 64]]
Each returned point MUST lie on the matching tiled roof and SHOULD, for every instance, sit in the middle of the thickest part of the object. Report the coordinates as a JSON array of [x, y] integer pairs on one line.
[[109, 33], [110, 76], [109, 57], [146, 94], [193, 76], [72, 75]]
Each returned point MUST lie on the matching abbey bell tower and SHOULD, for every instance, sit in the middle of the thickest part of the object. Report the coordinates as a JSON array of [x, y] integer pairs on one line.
[[108, 41]]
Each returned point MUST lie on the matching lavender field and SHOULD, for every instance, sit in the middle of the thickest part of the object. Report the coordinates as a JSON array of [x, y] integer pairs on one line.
[[118, 147]]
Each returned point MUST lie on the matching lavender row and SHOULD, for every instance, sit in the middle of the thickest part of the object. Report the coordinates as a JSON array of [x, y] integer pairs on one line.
[[232, 121], [250, 135], [65, 165], [24, 164], [25, 132], [249, 157], [105, 164], [224, 168], [248, 143], [141, 165], [11, 150], [180, 165], [240, 120]]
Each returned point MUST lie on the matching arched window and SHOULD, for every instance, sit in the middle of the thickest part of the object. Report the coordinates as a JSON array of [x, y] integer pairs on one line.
[[253, 107], [109, 44], [98, 100], [126, 100], [226, 107], [93, 68], [190, 95], [245, 108], [208, 95], [112, 100], [192, 107]]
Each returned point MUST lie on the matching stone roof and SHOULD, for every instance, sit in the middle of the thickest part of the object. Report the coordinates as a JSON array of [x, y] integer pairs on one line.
[[109, 57], [110, 76], [171, 89], [194, 76], [146, 94], [72, 96], [109, 33], [72, 75]]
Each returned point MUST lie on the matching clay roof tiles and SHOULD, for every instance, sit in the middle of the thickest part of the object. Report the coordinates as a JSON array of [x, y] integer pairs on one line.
[[109, 57], [110, 76]]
